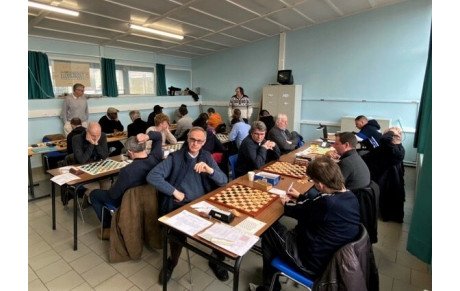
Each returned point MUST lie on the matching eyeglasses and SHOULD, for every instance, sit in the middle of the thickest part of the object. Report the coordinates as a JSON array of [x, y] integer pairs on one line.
[[197, 141]]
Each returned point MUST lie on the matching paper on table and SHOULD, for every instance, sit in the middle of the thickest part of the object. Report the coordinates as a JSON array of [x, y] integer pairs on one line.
[[277, 191], [188, 222], [203, 206], [230, 238], [64, 178], [250, 225]]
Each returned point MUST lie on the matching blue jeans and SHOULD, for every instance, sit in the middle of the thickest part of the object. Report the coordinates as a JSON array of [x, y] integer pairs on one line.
[[98, 199]]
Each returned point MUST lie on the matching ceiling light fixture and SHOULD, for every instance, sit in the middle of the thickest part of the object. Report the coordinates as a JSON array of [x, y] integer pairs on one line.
[[159, 32], [53, 8]]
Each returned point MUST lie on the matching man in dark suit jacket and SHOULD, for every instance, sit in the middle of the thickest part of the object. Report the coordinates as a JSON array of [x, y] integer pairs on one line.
[[285, 140], [138, 125], [110, 124]]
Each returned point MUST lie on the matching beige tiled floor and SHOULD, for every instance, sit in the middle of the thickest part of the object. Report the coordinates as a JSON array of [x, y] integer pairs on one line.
[[53, 265]]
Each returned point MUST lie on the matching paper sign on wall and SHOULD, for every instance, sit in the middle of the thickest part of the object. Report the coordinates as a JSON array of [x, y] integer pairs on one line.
[[66, 74]]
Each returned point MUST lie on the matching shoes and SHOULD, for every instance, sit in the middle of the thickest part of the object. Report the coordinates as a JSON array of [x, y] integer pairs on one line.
[[220, 272], [169, 270], [105, 234]]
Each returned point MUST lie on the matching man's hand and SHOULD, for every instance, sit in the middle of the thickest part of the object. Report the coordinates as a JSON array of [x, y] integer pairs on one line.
[[90, 140], [203, 167], [269, 145], [333, 154], [142, 138], [178, 196]]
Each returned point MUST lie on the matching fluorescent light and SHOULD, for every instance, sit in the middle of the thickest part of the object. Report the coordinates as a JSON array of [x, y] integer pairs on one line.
[[53, 8], [151, 30]]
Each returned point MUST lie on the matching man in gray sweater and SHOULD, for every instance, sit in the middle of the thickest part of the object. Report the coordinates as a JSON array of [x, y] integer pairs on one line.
[[75, 105]]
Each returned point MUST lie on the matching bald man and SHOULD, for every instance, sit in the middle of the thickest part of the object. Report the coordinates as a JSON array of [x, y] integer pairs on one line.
[[91, 146]]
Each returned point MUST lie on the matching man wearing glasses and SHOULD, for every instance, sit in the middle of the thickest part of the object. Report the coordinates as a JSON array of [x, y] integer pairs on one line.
[[255, 151], [184, 176], [75, 105]]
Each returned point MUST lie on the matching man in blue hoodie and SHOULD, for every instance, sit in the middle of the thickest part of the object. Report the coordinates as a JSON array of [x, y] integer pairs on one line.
[[368, 131]]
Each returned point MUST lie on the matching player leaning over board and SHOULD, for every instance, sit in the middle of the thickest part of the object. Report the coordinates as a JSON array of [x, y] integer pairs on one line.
[[184, 176], [324, 224], [91, 146], [130, 176], [255, 151]]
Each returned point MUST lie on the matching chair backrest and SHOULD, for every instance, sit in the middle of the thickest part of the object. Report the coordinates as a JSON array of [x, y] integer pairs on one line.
[[352, 266], [232, 160], [368, 209]]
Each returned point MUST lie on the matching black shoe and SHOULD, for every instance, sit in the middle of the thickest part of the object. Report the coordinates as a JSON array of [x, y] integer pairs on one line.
[[220, 272], [169, 270]]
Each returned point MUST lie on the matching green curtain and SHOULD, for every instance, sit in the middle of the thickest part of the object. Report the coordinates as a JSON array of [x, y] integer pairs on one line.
[[109, 79], [419, 241], [161, 80], [39, 77]]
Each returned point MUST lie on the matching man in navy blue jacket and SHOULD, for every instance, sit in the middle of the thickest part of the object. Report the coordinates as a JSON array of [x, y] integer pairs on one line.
[[368, 131], [130, 176], [184, 176], [324, 224]]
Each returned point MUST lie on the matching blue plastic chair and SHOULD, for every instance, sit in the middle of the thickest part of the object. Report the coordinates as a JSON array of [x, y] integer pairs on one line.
[[232, 160], [289, 272]]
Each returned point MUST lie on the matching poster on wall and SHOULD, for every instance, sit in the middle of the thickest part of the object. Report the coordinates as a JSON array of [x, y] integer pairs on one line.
[[66, 74]]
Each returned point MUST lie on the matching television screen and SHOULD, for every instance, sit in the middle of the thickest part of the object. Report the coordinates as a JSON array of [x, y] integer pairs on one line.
[[285, 77]]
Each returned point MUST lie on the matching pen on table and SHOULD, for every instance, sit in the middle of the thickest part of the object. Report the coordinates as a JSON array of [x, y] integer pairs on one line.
[[290, 186]]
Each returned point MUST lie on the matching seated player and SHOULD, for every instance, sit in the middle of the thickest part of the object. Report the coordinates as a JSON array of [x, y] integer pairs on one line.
[[323, 225], [77, 128], [183, 124], [214, 118], [240, 129], [255, 151], [110, 124], [266, 118], [91, 146], [184, 176], [369, 131], [287, 141], [162, 125], [130, 176], [138, 125]]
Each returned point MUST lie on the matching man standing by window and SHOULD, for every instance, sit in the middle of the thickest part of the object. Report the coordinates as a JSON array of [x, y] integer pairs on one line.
[[75, 105]]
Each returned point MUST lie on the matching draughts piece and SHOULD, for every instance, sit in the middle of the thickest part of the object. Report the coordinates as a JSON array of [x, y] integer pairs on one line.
[[243, 198], [287, 169]]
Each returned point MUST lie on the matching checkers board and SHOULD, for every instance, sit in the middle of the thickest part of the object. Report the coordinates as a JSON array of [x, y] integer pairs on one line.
[[223, 138], [287, 169], [173, 147], [245, 199], [101, 167]]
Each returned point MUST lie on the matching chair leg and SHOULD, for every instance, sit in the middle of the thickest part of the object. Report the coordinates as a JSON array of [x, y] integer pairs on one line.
[[102, 221], [274, 279], [79, 206], [189, 269]]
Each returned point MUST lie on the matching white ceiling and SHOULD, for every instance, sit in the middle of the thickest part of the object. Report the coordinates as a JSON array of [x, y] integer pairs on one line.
[[208, 26]]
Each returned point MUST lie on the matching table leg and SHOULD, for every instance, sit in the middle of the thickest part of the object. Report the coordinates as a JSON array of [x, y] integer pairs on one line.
[[236, 273], [165, 257], [53, 204], [75, 228], [31, 180]]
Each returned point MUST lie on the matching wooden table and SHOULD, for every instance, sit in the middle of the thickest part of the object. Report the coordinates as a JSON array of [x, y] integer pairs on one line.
[[269, 215], [58, 146], [85, 178]]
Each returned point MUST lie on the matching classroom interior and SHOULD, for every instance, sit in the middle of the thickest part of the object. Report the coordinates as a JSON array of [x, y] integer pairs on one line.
[[371, 63]]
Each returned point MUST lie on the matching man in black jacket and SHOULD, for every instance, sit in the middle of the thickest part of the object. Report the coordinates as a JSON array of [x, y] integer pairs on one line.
[[110, 124], [77, 128], [138, 125]]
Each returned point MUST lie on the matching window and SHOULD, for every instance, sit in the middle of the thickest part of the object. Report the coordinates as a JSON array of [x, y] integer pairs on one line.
[[65, 73], [134, 80]]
